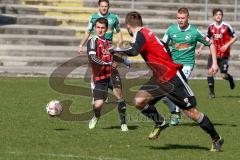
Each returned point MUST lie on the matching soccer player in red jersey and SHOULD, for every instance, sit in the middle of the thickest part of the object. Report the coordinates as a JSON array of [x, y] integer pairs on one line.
[[223, 36], [113, 24], [102, 62], [167, 80]]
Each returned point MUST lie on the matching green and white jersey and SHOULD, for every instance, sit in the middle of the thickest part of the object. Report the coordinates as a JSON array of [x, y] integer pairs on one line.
[[113, 23], [184, 43]]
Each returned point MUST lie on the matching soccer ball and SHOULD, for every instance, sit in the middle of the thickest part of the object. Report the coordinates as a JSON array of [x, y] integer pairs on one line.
[[54, 108]]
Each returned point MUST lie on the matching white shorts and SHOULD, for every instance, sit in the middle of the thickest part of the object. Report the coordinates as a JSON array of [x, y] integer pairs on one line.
[[187, 70]]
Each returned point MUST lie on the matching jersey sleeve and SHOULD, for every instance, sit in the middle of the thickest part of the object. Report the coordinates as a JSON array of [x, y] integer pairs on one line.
[[117, 25], [166, 37], [204, 39], [91, 51], [209, 32], [90, 24], [118, 59], [138, 45], [231, 31], [91, 46], [135, 48], [139, 41]]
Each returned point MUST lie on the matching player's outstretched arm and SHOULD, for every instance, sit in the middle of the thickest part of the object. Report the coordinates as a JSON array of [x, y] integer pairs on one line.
[[131, 51], [125, 61], [83, 41], [199, 50], [94, 59], [214, 67]]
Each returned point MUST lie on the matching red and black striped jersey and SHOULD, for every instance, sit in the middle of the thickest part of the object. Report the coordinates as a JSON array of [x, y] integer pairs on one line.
[[221, 35], [100, 58]]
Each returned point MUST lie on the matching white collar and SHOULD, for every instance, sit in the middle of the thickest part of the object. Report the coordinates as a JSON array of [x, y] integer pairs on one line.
[[218, 26], [189, 25], [104, 40], [135, 33], [100, 15]]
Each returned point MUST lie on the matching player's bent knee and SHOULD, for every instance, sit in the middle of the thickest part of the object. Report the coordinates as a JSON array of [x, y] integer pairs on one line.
[[193, 113], [140, 102], [98, 103], [224, 76]]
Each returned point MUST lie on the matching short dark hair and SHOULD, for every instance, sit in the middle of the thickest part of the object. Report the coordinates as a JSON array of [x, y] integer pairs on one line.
[[107, 1], [215, 10], [102, 21], [183, 10], [134, 19]]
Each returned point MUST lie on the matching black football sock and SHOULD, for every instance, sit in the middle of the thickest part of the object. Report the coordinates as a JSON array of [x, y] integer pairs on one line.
[[231, 81], [151, 112], [207, 126], [227, 77], [211, 84], [97, 111], [122, 110], [230, 78]]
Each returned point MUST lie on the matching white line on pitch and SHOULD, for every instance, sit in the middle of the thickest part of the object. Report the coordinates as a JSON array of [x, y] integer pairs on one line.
[[71, 156]]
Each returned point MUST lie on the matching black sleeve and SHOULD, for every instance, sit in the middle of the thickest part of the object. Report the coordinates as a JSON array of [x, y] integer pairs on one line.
[[91, 51], [94, 59], [167, 47], [208, 33], [91, 46], [135, 48], [231, 32], [118, 59]]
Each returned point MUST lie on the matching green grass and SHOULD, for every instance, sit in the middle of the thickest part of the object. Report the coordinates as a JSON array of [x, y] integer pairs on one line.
[[27, 133]]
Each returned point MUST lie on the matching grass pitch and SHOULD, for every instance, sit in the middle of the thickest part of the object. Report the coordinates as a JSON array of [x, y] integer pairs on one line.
[[27, 133]]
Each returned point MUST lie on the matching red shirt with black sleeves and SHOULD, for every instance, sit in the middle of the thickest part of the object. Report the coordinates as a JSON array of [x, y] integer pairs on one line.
[[100, 58], [155, 55], [221, 35]]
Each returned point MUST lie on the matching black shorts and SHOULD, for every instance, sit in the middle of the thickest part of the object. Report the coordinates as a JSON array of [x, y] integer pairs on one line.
[[100, 90], [177, 90], [222, 64]]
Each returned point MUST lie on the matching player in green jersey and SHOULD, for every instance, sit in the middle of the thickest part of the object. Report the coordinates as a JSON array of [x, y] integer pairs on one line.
[[113, 24], [183, 38]]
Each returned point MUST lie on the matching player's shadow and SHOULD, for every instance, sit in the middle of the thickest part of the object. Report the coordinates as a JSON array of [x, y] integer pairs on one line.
[[177, 146], [61, 129], [130, 127], [228, 97], [215, 124]]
